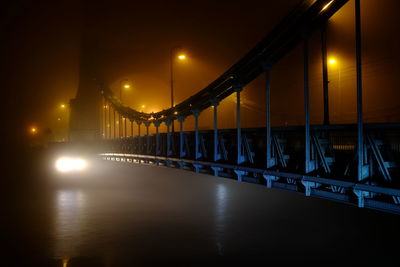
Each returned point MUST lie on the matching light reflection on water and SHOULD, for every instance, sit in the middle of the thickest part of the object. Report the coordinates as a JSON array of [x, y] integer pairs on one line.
[[221, 202], [153, 215], [69, 219]]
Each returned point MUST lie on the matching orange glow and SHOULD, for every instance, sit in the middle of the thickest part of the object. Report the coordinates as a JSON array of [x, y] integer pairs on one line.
[[65, 262], [182, 57], [127, 86], [62, 106], [332, 61], [33, 130], [326, 6]]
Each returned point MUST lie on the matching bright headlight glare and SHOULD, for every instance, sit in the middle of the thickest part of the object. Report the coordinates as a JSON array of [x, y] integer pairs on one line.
[[66, 164]]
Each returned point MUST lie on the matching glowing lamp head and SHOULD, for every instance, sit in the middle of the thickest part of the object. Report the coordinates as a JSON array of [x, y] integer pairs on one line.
[[33, 130], [182, 57], [127, 86], [332, 61]]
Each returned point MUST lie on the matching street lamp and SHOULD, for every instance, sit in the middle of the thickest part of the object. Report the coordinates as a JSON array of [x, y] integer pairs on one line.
[[123, 84], [333, 62], [173, 54]]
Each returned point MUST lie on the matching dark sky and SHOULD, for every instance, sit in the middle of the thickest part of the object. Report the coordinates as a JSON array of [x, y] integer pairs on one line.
[[41, 51]]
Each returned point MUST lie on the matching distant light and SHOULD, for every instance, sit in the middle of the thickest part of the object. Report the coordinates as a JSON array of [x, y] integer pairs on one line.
[[332, 61], [58, 119], [326, 6], [143, 106], [33, 130], [176, 112], [66, 164], [62, 106], [182, 57], [127, 86]]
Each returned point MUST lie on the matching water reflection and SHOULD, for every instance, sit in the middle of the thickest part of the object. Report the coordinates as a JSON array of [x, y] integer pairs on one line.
[[220, 216], [68, 223]]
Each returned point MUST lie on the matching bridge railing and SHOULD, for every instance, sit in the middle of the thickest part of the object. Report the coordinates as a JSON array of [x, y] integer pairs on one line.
[[333, 159]]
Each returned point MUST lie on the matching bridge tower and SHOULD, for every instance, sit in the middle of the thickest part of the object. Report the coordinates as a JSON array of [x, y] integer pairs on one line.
[[85, 117]]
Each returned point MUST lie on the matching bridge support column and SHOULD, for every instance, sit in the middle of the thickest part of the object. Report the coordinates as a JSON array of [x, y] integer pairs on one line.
[[240, 157], [109, 121], [114, 125], [125, 132], [139, 147], [325, 74], [119, 125], [216, 155], [147, 124], [309, 164], [157, 124], [103, 120], [197, 154], [182, 153], [270, 161], [132, 133], [360, 139], [169, 152]]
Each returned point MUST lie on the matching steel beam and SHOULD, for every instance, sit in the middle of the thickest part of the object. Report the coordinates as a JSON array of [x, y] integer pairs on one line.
[[307, 146], [168, 123], [268, 141], [196, 114], [114, 124], [360, 136], [182, 153], [240, 157], [325, 81], [156, 125], [216, 155]]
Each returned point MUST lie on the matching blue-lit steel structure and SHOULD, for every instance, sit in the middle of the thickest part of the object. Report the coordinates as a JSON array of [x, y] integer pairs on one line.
[[354, 164]]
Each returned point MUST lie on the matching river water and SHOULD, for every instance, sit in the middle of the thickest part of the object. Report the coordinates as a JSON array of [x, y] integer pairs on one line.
[[124, 214]]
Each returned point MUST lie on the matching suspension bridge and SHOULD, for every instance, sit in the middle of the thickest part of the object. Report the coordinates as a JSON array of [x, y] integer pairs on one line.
[[356, 164]]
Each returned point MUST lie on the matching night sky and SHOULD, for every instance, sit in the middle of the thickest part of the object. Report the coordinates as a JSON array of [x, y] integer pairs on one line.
[[43, 47]]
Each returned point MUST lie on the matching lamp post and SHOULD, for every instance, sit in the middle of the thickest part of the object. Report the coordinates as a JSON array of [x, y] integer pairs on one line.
[[64, 116], [123, 84], [333, 63], [173, 53]]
